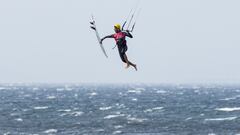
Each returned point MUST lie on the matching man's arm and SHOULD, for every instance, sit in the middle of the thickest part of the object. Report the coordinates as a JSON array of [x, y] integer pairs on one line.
[[128, 34], [110, 36]]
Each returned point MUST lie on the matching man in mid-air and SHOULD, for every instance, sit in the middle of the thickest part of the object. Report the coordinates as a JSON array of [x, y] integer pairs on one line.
[[120, 38]]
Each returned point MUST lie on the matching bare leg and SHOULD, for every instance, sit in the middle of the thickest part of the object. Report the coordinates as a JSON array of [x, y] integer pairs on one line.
[[129, 63], [126, 59]]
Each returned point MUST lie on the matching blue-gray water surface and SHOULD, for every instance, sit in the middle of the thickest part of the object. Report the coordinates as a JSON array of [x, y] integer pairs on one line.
[[131, 109]]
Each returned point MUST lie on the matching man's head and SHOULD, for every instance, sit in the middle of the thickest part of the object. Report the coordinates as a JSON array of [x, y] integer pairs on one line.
[[117, 28]]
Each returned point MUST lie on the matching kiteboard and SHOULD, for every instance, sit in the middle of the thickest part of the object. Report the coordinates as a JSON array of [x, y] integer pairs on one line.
[[94, 27]]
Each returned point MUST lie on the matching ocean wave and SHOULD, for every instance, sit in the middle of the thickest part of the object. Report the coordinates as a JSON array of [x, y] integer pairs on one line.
[[51, 97], [8, 133], [135, 120], [117, 132], [60, 89], [105, 108], [66, 110], [161, 92], [3, 88], [221, 119], [189, 118], [49, 131], [15, 114], [76, 113], [120, 106], [25, 110], [113, 116], [134, 91], [134, 99], [227, 99], [228, 109], [40, 107], [93, 94], [231, 98], [118, 126], [211, 134], [153, 109], [19, 119]]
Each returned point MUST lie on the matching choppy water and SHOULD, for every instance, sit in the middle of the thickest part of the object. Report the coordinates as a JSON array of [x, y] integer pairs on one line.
[[119, 109]]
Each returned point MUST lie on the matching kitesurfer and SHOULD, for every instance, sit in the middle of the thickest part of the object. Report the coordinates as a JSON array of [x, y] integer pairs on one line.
[[120, 38]]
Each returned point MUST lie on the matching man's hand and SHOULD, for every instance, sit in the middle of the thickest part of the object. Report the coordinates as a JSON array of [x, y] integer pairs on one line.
[[101, 41]]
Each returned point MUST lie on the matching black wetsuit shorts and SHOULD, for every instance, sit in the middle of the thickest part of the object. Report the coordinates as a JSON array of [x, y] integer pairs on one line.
[[122, 49]]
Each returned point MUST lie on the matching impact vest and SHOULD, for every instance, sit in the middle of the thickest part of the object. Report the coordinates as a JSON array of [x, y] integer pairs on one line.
[[120, 38]]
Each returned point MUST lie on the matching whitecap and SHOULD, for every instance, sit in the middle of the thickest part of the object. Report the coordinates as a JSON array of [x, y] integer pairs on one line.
[[25, 110], [211, 134], [93, 94], [158, 108], [60, 89], [237, 90], [118, 113], [66, 110], [77, 113], [8, 133], [196, 91], [134, 99], [153, 109], [148, 110], [14, 114], [64, 114], [161, 92], [134, 91], [113, 116], [36, 88], [118, 127], [120, 106], [75, 108], [19, 119], [180, 93], [189, 118], [221, 119], [227, 99], [51, 131], [105, 108], [41, 107], [228, 109], [117, 132], [137, 120], [51, 97], [2, 88]]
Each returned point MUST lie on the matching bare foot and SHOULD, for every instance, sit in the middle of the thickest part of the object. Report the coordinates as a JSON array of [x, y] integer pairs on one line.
[[135, 66], [128, 65]]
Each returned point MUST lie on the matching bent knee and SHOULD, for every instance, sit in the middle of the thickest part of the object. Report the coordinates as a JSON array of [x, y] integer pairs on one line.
[[123, 59]]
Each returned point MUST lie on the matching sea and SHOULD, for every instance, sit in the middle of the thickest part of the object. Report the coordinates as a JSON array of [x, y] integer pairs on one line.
[[112, 109]]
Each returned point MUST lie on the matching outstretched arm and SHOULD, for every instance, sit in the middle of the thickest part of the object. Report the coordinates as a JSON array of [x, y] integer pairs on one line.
[[110, 36]]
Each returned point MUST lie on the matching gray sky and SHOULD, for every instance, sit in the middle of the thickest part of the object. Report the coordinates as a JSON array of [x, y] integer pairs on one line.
[[174, 41]]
